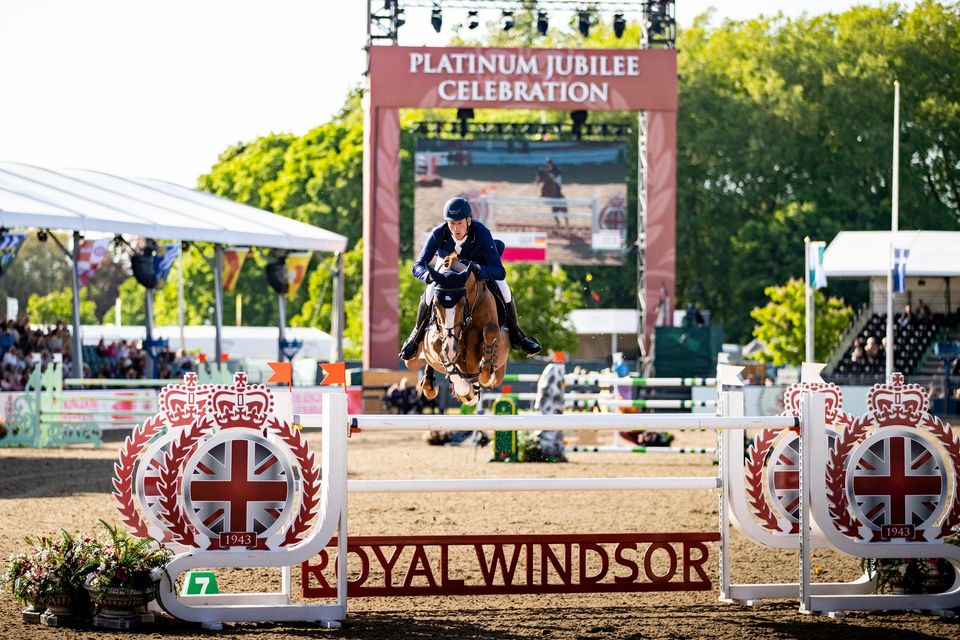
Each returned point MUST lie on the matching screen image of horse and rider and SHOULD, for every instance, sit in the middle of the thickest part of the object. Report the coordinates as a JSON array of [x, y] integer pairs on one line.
[[558, 202]]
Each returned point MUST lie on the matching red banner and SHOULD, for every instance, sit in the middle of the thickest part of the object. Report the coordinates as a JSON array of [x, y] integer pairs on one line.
[[567, 79], [515, 564]]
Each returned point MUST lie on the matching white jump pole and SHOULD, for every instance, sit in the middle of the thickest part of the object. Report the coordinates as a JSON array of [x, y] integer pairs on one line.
[[471, 485], [581, 422]]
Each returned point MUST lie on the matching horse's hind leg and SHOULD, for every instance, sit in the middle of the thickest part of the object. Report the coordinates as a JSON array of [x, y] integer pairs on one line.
[[488, 364], [428, 386]]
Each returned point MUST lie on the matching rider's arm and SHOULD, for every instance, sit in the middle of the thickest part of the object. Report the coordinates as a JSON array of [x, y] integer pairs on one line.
[[429, 250], [491, 268]]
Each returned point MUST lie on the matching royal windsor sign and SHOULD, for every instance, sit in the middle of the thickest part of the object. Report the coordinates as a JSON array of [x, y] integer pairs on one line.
[[597, 79]]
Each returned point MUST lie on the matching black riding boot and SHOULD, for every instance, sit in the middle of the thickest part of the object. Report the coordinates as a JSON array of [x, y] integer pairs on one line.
[[518, 339], [409, 348]]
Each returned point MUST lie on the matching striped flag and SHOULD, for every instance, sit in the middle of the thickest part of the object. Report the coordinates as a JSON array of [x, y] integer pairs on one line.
[[10, 244], [89, 257], [163, 261], [816, 276], [900, 257]]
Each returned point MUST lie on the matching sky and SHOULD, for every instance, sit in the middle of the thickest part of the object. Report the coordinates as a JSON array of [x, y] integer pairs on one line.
[[144, 88]]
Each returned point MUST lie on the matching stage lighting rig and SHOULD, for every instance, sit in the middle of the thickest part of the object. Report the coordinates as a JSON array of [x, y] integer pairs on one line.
[[578, 118], [660, 21], [473, 19], [508, 20], [436, 18]]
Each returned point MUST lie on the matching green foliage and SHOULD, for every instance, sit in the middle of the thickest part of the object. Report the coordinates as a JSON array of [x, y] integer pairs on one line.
[[58, 305], [781, 324], [40, 268], [124, 564], [52, 566], [784, 131]]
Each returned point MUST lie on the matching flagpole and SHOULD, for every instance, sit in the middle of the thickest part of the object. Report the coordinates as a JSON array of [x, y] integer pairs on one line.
[[180, 314], [808, 301], [894, 224]]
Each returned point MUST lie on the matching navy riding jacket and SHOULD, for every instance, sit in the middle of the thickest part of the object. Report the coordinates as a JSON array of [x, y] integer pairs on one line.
[[478, 247]]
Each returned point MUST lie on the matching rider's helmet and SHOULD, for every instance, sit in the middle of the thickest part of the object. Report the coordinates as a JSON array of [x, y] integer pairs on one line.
[[457, 209]]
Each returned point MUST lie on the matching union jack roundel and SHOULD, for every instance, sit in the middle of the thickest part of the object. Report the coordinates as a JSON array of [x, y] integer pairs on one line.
[[783, 476], [896, 477], [238, 482]]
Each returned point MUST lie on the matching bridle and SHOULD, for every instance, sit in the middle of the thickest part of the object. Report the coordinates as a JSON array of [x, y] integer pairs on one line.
[[458, 331]]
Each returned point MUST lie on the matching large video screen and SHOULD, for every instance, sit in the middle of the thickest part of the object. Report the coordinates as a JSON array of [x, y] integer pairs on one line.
[[559, 202]]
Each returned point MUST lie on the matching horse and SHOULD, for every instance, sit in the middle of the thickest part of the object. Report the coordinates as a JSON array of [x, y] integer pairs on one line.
[[550, 188], [464, 340]]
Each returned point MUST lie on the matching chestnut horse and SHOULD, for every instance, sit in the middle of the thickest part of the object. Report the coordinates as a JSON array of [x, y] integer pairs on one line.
[[464, 340]]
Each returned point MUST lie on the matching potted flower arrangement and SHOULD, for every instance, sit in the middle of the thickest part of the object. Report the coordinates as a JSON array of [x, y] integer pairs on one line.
[[911, 575], [50, 575], [121, 578]]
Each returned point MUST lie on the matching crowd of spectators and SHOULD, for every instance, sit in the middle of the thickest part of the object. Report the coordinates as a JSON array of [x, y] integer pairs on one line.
[[24, 347]]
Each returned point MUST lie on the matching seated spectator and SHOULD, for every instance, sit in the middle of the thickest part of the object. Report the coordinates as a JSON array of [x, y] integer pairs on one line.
[[55, 343], [923, 311], [872, 349], [7, 339], [906, 318], [102, 348], [857, 354]]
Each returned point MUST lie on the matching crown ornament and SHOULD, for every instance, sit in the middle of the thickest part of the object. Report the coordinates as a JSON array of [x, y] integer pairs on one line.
[[833, 398], [184, 403], [241, 405], [896, 403]]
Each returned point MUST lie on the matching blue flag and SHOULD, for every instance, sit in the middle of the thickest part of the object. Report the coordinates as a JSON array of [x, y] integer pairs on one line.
[[900, 270], [163, 261], [10, 244]]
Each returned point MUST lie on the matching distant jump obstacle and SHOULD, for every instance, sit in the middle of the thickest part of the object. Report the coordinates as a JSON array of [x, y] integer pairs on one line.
[[48, 415], [885, 488]]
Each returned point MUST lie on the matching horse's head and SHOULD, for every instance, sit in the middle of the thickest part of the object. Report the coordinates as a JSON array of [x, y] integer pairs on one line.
[[454, 289]]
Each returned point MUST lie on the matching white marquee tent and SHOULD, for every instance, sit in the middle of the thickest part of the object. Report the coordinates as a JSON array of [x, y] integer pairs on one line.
[[91, 201]]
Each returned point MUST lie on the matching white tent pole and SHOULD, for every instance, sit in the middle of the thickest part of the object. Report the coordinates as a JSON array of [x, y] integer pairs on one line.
[[77, 343], [148, 325], [218, 301], [894, 223], [180, 310], [336, 324], [281, 323]]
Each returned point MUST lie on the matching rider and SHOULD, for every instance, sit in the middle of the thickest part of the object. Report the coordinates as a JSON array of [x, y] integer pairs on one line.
[[473, 242]]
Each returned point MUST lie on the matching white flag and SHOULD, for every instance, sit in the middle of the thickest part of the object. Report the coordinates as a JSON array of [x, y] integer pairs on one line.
[[816, 276]]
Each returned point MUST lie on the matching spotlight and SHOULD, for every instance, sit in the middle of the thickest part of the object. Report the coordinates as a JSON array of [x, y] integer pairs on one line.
[[542, 24], [508, 20], [619, 24], [436, 19], [584, 23], [472, 20], [42, 235], [401, 18], [276, 272], [579, 118]]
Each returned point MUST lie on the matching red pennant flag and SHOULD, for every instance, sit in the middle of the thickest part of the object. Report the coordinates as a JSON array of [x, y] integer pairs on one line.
[[282, 372], [336, 374]]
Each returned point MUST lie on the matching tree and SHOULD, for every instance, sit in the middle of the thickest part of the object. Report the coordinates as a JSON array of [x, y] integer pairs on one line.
[[58, 306], [781, 324], [39, 268]]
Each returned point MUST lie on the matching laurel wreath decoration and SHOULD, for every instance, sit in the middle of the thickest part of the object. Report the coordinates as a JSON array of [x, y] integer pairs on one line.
[[170, 474], [838, 506], [756, 455], [310, 474], [951, 443], [123, 473]]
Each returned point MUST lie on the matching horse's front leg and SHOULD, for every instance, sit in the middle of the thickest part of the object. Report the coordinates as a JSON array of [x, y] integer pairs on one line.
[[428, 385], [488, 360]]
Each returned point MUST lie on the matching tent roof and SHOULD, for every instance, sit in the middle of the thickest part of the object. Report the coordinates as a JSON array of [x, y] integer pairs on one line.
[[862, 254], [80, 200]]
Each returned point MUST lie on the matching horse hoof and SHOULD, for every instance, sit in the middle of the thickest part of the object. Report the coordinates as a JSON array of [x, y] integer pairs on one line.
[[471, 401]]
